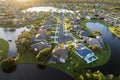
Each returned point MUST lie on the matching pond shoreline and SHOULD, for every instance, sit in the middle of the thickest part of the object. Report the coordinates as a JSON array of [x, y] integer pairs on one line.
[[110, 67]]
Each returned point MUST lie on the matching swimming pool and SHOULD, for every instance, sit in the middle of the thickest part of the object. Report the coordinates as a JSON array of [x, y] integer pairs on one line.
[[85, 53], [91, 59]]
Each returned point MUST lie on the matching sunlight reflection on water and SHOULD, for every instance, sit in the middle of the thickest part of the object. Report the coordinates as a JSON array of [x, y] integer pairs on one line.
[[46, 9]]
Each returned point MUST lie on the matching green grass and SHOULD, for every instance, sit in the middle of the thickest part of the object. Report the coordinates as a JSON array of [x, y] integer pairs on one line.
[[103, 57], [83, 22], [13, 26], [4, 46], [7, 25], [63, 67], [115, 31], [25, 58], [79, 64]]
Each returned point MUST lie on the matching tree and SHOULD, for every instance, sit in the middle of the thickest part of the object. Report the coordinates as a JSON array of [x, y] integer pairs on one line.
[[23, 41], [81, 77], [87, 75], [43, 54], [96, 33], [8, 64], [98, 76]]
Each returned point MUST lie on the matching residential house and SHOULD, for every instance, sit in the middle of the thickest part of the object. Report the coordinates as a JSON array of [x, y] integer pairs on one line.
[[93, 41], [74, 21], [77, 28], [40, 46], [59, 54], [101, 17], [102, 11], [117, 16], [110, 21], [84, 33], [117, 23], [90, 17], [85, 53], [40, 35], [47, 24], [95, 10], [100, 40], [85, 12]]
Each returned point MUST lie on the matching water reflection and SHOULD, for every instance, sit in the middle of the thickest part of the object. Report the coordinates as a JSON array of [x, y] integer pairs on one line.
[[42, 67], [112, 66], [10, 70], [46, 9], [31, 72], [7, 34]]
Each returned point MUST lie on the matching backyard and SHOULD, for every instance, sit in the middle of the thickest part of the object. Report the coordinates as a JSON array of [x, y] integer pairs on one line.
[[74, 65]]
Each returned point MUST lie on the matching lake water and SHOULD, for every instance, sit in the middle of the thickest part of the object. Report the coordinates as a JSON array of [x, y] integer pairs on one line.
[[6, 34], [46, 9], [32, 72], [113, 65]]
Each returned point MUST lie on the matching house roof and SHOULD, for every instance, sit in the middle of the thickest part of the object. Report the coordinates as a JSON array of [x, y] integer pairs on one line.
[[84, 33], [39, 46], [47, 24], [42, 30], [40, 36], [77, 28], [60, 52], [64, 39], [118, 22], [92, 41]]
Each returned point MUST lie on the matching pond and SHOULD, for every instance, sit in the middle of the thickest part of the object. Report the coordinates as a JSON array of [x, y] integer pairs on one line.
[[11, 36], [112, 66], [46, 9], [32, 72]]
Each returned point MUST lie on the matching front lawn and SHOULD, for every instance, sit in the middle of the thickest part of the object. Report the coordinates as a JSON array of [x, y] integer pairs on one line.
[[25, 58], [4, 47]]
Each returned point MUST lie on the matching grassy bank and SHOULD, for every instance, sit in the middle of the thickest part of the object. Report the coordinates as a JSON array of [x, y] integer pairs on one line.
[[4, 46], [83, 22], [73, 66], [26, 57], [13, 26], [7, 25]]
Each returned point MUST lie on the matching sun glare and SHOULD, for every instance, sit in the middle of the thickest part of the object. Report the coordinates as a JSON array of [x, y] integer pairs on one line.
[[23, 0]]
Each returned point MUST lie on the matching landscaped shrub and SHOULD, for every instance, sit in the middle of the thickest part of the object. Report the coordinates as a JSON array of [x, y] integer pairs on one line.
[[53, 45], [91, 76], [89, 46], [96, 33], [8, 65], [43, 54]]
